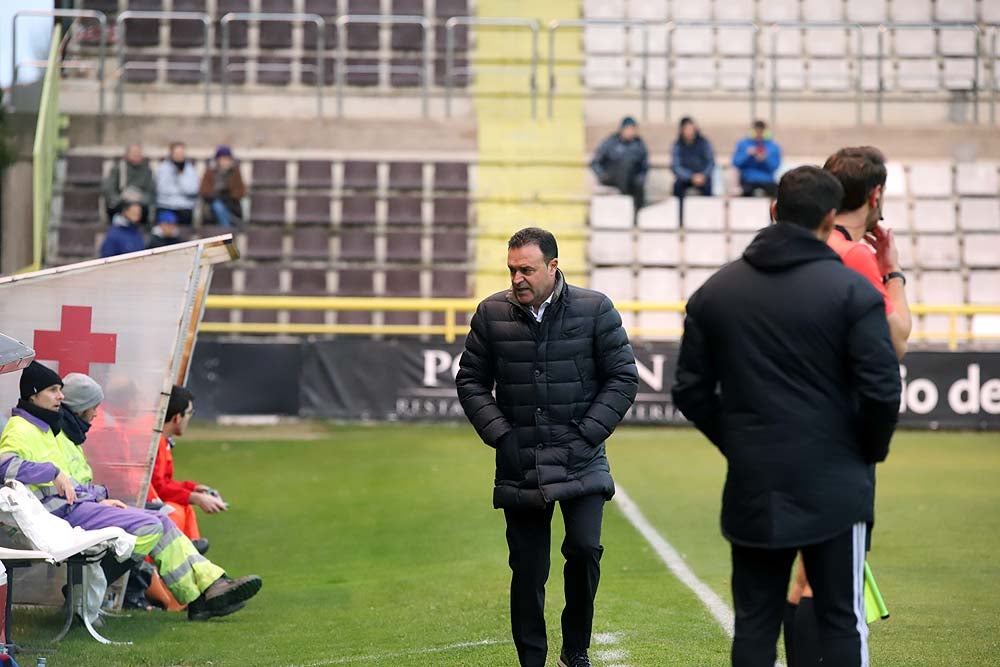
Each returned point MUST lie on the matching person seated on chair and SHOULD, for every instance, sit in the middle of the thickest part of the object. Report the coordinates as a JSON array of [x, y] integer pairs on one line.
[[693, 160], [35, 450], [165, 231], [182, 496], [757, 157], [622, 161]]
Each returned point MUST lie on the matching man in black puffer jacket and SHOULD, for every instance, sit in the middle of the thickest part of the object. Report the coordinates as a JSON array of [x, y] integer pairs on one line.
[[565, 376], [787, 366]]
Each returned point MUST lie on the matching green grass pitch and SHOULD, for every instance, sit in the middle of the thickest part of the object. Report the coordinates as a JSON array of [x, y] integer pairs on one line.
[[378, 546]]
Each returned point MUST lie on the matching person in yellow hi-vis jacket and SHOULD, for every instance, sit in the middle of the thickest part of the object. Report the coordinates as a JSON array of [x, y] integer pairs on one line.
[[35, 451]]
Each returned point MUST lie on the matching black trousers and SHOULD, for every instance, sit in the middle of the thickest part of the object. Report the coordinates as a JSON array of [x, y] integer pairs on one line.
[[529, 540], [836, 573], [750, 189]]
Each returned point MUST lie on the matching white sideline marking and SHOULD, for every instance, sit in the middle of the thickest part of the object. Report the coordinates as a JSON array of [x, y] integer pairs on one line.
[[675, 563], [606, 638], [401, 654], [611, 655]]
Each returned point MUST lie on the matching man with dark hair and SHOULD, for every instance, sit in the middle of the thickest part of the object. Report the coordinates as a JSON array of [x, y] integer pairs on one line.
[[622, 161], [565, 376], [177, 184], [786, 365], [757, 157], [181, 495], [35, 451], [857, 232]]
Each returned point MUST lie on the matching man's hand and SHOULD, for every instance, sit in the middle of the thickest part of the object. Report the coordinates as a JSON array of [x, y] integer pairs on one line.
[[111, 502], [886, 253], [65, 487], [698, 179], [208, 504]]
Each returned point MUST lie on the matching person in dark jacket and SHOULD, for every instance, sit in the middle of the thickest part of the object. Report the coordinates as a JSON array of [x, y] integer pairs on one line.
[[129, 179], [125, 233], [786, 365], [622, 162], [222, 189], [692, 160], [165, 232], [757, 157], [565, 376]]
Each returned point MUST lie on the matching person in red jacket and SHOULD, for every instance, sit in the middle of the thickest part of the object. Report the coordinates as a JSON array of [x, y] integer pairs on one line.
[[183, 496]]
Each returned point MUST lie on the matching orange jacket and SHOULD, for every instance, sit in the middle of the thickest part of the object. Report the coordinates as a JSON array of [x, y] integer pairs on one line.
[[163, 483]]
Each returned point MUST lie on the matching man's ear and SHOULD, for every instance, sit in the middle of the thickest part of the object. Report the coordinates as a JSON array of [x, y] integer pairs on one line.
[[874, 196], [554, 264], [826, 227], [774, 211]]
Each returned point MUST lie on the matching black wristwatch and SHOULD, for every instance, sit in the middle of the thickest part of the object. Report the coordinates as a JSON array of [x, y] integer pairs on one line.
[[893, 274]]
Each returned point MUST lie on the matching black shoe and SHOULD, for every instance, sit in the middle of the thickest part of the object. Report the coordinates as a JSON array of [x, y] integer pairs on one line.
[[224, 597], [574, 659], [200, 545], [198, 611]]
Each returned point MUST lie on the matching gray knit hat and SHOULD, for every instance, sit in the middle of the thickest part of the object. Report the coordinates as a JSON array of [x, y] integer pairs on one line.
[[81, 392]]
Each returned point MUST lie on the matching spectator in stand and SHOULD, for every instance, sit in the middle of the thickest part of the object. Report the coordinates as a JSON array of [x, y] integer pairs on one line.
[[177, 184], [622, 161], [35, 450], [125, 233], [222, 189], [130, 179], [757, 157], [693, 160], [165, 232], [183, 496]]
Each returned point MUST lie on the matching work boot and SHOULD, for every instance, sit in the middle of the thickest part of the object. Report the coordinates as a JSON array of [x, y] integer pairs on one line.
[[574, 659], [200, 545], [224, 597]]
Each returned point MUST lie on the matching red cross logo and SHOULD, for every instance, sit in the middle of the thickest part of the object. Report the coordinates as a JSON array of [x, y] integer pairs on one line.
[[75, 347]]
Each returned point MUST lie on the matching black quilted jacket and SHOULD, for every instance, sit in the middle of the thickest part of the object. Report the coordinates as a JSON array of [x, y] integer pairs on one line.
[[562, 386]]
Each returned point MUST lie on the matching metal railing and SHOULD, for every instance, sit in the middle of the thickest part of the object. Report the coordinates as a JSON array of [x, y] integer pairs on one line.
[[378, 19], [315, 19], [83, 14], [44, 152], [204, 67], [449, 30], [451, 329]]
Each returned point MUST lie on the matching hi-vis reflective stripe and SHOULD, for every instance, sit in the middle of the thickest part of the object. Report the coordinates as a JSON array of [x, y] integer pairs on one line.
[[175, 575]]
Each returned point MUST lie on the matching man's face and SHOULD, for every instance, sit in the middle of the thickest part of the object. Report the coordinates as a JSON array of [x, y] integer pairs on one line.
[[134, 154], [225, 162], [874, 209], [531, 277], [49, 398], [89, 415], [132, 213], [688, 131], [758, 133], [177, 153], [629, 132], [184, 418]]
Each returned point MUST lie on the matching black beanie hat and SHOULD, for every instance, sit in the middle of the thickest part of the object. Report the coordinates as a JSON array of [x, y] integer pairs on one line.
[[36, 377]]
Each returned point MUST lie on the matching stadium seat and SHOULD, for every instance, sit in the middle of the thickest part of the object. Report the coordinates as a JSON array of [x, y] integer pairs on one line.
[[694, 278], [734, 73], [355, 282], [661, 215], [406, 176], [693, 41], [941, 288], [659, 286], [826, 75], [143, 32], [402, 283], [749, 214], [84, 170], [264, 243], [604, 39], [981, 250], [611, 248], [403, 246], [312, 210], [274, 70], [141, 69], [357, 210], [904, 246], [357, 244], [310, 243], [450, 246], [276, 34], [450, 211], [911, 11], [937, 251], [778, 10], [867, 11], [913, 42], [360, 175], [955, 10], [308, 282], [327, 10], [617, 282], [989, 12], [785, 42], [184, 70], [363, 72], [222, 283], [308, 70], [405, 72], [449, 283], [896, 215], [921, 75], [705, 213], [363, 36], [895, 182], [738, 242], [78, 241], [735, 10], [605, 72], [694, 73], [267, 209], [930, 179], [261, 280], [691, 11], [822, 10], [984, 287], [80, 206], [445, 9], [185, 33], [451, 176], [933, 215], [658, 249], [460, 77], [405, 210], [611, 212], [237, 69], [976, 178], [957, 41], [238, 30], [704, 248], [826, 42], [604, 9], [979, 214], [315, 174]]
